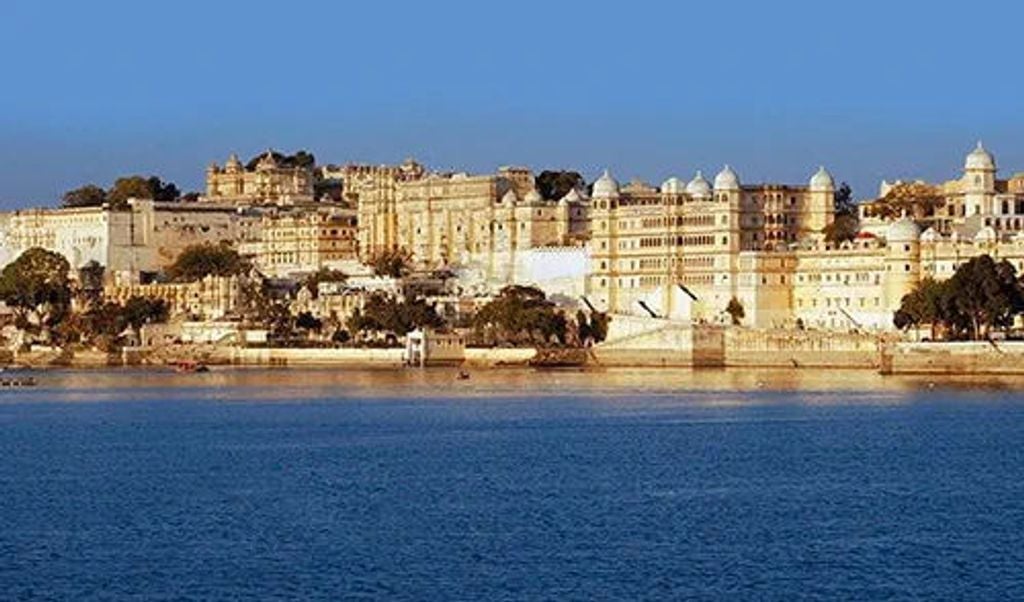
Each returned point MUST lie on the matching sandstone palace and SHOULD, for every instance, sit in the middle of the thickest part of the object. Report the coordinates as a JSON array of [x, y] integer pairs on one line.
[[681, 250]]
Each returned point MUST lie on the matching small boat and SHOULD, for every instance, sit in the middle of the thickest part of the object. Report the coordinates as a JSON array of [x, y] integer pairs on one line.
[[190, 367], [18, 381]]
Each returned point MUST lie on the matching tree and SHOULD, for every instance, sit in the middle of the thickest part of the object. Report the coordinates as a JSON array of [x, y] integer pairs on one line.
[[198, 261], [916, 199], [138, 311], [163, 191], [37, 287], [308, 322], [312, 282], [553, 185], [980, 296], [522, 314], [846, 223], [128, 187], [395, 263], [735, 311], [90, 280], [302, 159], [592, 328], [89, 195], [385, 314]]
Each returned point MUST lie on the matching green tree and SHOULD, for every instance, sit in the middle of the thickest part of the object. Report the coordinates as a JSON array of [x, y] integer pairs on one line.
[[385, 314], [847, 222], [553, 185], [37, 287], [89, 195], [735, 311], [521, 314], [981, 296], [395, 263], [128, 187], [198, 261], [312, 281], [138, 311]]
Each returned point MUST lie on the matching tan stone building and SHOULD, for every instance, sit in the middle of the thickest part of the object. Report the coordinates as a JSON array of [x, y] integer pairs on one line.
[[303, 240], [143, 238], [975, 200], [267, 183], [478, 222], [645, 238], [211, 298]]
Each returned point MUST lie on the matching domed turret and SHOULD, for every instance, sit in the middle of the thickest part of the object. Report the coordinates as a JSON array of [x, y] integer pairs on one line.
[[509, 199], [673, 185], [980, 159], [698, 187], [571, 197], [903, 230], [606, 187], [233, 165], [727, 179], [822, 180]]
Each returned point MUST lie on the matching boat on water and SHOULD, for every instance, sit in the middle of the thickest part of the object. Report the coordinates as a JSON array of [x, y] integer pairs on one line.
[[189, 367], [9, 382]]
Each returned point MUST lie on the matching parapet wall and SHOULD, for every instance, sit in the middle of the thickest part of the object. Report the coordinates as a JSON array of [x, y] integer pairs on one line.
[[800, 349], [980, 357]]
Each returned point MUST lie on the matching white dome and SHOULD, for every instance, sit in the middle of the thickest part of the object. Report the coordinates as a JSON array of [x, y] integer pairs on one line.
[[929, 235], [573, 196], [509, 199], [979, 158], [822, 180], [605, 186], [727, 179], [533, 198], [986, 234], [698, 187], [673, 185], [903, 230]]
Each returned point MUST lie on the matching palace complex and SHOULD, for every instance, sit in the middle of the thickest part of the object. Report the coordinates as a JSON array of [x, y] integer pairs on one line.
[[269, 182], [681, 250]]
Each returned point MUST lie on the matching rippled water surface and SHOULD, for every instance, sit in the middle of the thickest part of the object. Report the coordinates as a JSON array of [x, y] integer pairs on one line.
[[511, 485]]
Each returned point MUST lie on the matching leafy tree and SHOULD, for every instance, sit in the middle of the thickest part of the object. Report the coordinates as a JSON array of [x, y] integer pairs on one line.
[[309, 322], [302, 159], [36, 284], [90, 280], [138, 311], [981, 295], [916, 199], [395, 263], [190, 197], [735, 311], [89, 195], [163, 191], [385, 314], [522, 314], [198, 261], [592, 328], [846, 223], [312, 282], [129, 187], [553, 185]]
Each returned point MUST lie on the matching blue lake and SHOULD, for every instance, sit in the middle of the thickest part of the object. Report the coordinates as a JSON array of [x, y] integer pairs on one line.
[[516, 485]]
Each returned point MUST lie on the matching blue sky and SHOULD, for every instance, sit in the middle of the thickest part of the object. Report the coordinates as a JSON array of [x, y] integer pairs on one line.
[[93, 90]]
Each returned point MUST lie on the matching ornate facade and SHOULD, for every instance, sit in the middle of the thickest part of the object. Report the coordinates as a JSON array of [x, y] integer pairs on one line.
[[763, 245], [303, 241], [267, 183], [645, 238]]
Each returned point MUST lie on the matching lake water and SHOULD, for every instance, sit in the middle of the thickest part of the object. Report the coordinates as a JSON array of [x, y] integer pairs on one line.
[[519, 485]]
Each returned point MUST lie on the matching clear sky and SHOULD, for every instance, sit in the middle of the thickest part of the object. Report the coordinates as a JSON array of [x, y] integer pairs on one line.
[[93, 90]]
